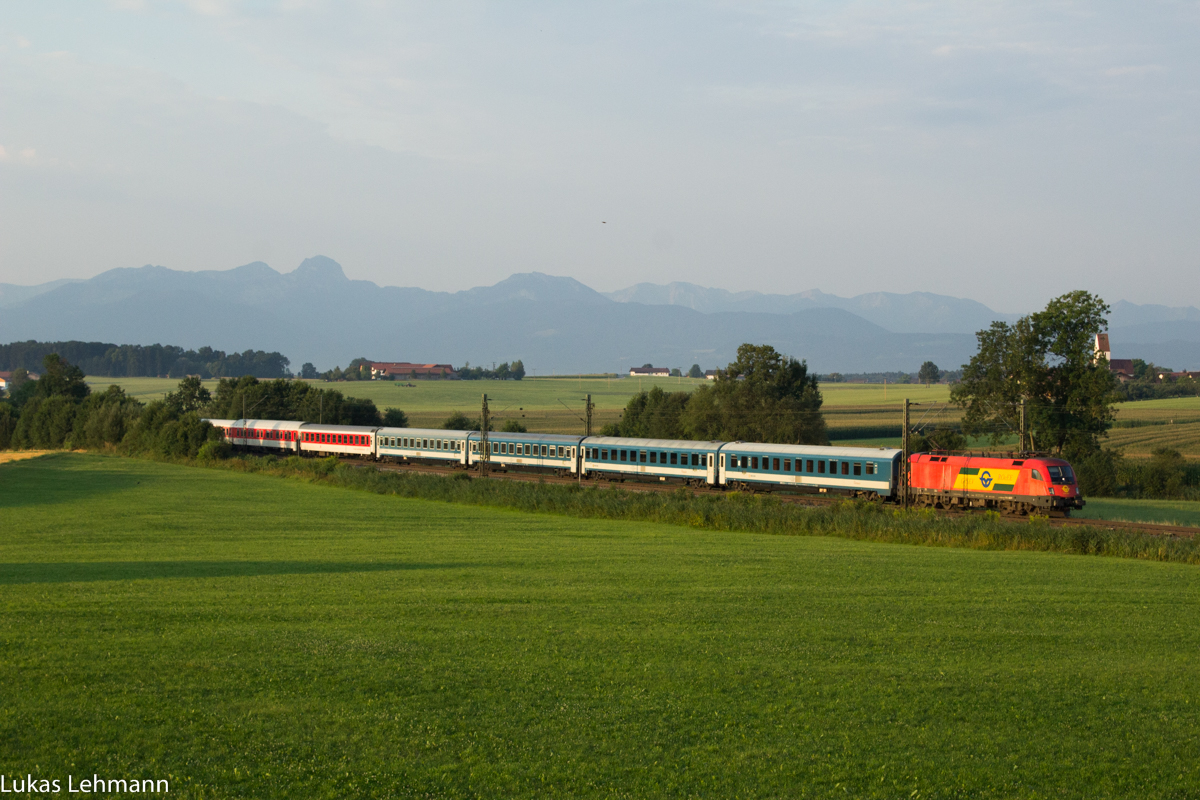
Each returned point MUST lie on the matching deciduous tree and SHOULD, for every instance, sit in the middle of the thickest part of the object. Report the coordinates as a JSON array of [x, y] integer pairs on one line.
[[1046, 359]]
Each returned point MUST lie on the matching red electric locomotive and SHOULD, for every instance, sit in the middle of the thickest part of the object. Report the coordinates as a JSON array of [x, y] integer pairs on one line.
[[1008, 485]]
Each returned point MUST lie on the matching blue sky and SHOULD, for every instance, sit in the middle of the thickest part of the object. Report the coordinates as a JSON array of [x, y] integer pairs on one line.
[[1001, 151]]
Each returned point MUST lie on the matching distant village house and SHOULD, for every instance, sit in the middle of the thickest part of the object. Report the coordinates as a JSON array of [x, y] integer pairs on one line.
[[404, 370], [649, 372], [6, 380]]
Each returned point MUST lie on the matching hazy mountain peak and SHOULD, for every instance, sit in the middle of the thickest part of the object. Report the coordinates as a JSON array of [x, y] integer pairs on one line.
[[319, 269], [536, 286]]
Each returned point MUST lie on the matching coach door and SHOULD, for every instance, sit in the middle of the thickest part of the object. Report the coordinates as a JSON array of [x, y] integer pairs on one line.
[[712, 469]]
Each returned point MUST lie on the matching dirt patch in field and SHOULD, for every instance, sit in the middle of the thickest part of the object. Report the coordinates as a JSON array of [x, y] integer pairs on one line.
[[19, 455]]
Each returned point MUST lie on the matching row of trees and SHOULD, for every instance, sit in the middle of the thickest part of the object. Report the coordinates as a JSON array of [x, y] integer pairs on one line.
[[135, 360], [360, 370], [59, 410], [763, 396], [505, 372], [928, 373]]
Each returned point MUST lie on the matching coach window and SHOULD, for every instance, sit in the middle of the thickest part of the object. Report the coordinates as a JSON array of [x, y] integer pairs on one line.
[[845, 467], [787, 465], [643, 457], [857, 468], [603, 455], [754, 462], [870, 467], [820, 467], [775, 464]]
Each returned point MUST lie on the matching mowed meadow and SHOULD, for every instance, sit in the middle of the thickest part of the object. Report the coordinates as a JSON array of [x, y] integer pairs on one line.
[[254, 636]]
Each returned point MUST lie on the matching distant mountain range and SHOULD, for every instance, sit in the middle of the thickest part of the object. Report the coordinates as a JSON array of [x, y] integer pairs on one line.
[[554, 324]]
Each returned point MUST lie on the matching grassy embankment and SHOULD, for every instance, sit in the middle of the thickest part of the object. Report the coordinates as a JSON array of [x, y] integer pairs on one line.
[[256, 637]]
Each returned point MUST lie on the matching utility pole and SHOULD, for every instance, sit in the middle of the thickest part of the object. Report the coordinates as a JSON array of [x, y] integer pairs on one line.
[[904, 465], [1021, 443], [587, 430], [485, 449]]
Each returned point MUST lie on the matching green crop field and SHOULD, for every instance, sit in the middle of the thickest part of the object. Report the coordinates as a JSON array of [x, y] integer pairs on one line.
[[1167, 512], [251, 636], [143, 389]]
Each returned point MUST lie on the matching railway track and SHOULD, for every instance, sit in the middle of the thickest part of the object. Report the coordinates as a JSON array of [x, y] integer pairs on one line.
[[1176, 531]]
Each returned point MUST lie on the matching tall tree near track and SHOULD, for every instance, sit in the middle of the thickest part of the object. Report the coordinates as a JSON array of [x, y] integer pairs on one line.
[[652, 414], [763, 396], [1047, 359]]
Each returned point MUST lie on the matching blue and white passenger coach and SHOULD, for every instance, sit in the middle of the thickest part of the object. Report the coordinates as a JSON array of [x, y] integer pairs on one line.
[[529, 451], [694, 463], [854, 471], [422, 444]]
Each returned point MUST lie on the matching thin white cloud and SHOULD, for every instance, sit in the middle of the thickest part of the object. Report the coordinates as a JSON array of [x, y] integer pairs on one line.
[[1135, 71]]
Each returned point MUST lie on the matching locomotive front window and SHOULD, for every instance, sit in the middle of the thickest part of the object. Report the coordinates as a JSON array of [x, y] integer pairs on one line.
[[1060, 474]]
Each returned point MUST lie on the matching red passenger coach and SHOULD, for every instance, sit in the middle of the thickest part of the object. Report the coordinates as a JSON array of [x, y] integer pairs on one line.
[[266, 434], [1009, 485], [350, 440]]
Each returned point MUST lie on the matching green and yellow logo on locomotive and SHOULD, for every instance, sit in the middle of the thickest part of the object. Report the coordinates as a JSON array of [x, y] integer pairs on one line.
[[974, 479]]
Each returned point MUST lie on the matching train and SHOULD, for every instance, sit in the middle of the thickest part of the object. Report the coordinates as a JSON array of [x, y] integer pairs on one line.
[[1014, 485]]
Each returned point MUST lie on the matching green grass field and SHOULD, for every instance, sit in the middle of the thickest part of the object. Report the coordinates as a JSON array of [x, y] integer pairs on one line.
[[1167, 512], [250, 636]]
